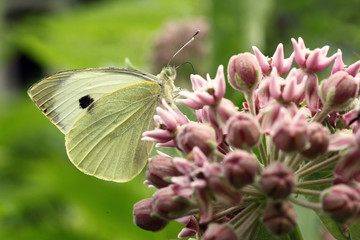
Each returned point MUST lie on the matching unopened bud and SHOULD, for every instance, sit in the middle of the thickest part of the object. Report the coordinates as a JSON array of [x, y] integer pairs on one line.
[[219, 232], [278, 181], [224, 192], [319, 138], [244, 72], [243, 131], [279, 217], [339, 90], [144, 217], [240, 168], [192, 135], [222, 111], [170, 206], [160, 169], [340, 201], [290, 137]]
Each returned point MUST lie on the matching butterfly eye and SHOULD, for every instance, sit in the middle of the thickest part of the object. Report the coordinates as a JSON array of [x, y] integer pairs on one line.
[[170, 72]]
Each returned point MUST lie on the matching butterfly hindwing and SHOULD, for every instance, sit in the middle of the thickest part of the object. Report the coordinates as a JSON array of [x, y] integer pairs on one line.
[[62, 97], [105, 141]]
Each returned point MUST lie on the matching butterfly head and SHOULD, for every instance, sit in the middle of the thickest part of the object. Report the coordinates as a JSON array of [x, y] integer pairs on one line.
[[169, 72]]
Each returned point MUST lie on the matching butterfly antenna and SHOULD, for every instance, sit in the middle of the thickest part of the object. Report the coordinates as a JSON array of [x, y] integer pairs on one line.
[[192, 67], [189, 41]]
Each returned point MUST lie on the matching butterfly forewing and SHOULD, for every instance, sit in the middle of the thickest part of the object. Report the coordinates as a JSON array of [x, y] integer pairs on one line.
[[105, 141], [63, 97]]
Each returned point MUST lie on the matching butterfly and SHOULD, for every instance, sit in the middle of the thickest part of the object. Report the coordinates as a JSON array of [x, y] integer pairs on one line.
[[103, 113]]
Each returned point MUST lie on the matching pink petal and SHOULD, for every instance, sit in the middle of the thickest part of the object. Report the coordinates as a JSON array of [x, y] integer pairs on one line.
[[338, 64], [341, 140], [278, 59], [219, 83], [353, 69], [167, 118], [262, 60], [300, 51], [275, 86]]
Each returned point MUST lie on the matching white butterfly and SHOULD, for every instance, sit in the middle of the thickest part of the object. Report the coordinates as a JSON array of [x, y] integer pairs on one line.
[[103, 113]]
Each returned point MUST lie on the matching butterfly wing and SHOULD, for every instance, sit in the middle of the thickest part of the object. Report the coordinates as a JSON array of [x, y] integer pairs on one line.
[[106, 142], [63, 96]]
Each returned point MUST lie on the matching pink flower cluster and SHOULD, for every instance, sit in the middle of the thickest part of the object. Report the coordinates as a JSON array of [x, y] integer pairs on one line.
[[236, 167]]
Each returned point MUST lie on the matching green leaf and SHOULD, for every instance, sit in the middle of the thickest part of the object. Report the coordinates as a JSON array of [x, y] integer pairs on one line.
[[333, 227], [262, 233]]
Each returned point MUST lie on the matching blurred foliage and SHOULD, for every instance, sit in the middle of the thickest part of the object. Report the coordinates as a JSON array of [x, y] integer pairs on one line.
[[43, 196]]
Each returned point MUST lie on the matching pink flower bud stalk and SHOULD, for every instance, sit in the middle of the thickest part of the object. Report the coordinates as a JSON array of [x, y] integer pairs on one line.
[[160, 169], [319, 139], [220, 232], [338, 91], [196, 135], [243, 131], [341, 202], [170, 206], [279, 217], [278, 181], [244, 72], [240, 168], [145, 218]]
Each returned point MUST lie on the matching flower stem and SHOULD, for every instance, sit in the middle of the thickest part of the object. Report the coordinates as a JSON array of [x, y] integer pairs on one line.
[[263, 154], [311, 205], [243, 224], [306, 171], [315, 182], [320, 116], [251, 190], [249, 97], [242, 214], [307, 191], [295, 161]]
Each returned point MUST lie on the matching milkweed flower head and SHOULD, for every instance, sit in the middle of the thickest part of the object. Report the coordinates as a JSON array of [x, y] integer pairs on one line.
[[239, 168]]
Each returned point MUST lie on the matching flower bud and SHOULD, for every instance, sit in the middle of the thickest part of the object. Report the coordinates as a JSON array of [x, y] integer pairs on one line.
[[339, 90], [244, 72], [290, 137], [319, 138], [243, 131], [224, 192], [279, 217], [144, 217], [341, 202], [219, 232], [222, 111], [240, 168], [159, 169], [192, 135], [191, 228], [278, 181], [168, 205], [348, 165]]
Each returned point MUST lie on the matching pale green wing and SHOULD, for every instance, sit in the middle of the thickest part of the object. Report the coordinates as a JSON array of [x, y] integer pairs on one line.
[[62, 97], [106, 139]]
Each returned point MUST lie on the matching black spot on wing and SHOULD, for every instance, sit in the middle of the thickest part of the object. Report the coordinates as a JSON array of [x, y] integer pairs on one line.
[[85, 101]]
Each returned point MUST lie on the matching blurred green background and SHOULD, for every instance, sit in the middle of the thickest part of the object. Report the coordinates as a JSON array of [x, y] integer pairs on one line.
[[42, 195]]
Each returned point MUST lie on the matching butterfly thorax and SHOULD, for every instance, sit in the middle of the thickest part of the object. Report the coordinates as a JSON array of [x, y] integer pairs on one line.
[[166, 79]]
